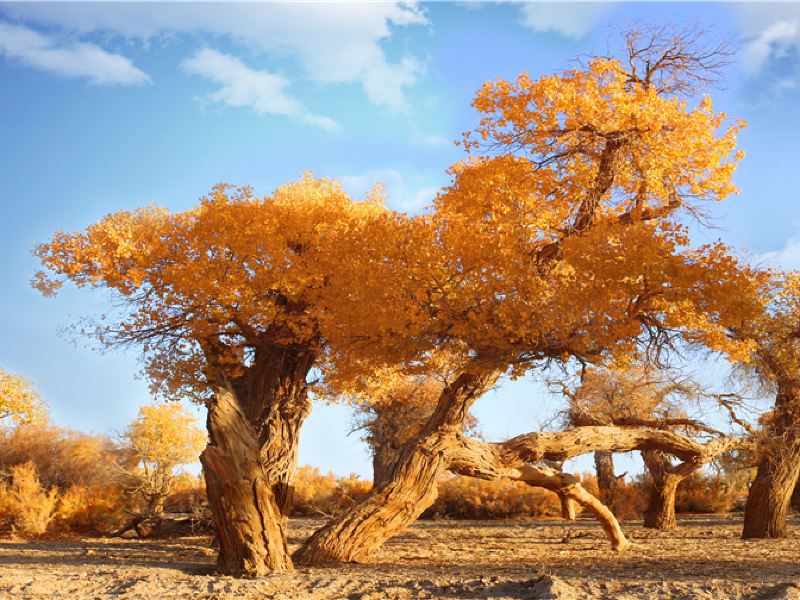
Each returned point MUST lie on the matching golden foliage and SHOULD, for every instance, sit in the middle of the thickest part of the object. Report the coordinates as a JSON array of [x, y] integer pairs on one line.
[[164, 436], [25, 505], [317, 494], [19, 401]]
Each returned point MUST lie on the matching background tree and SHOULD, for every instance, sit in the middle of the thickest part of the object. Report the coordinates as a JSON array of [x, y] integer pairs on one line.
[[19, 401], [161, 439], [562, 241], [232, 303], [637, 394]]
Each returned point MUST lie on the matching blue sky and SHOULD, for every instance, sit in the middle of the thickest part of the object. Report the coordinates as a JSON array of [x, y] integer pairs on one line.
[[109, 106]]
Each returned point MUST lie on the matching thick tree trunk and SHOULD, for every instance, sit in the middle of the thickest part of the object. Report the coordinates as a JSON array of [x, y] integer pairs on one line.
[[411, 487], [606, 479], [778, 470], [770, 493], [660, 513], [248, 520], [250, 462]]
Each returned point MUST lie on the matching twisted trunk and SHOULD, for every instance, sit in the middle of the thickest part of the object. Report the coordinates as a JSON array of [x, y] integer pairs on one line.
[[383, 459], [606, 479], [250, 462], [778, 470], [411, 486]]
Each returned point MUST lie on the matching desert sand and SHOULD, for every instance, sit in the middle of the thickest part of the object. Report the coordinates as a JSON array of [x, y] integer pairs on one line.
[[703, 559]]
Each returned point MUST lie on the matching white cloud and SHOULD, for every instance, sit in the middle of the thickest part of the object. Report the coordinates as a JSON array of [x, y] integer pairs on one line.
[[405, 195], [433, 140], [72, 60], [241, 86], [332, 42], [775, 41], [787, 257], [570, 19]]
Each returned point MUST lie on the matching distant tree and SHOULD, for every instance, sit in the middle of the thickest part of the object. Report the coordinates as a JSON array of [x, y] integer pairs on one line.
[[161, 439], [635, 394], [19, 401]]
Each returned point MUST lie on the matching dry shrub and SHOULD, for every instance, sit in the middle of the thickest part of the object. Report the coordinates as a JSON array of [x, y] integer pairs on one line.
[[317, 494], [94, 509], [62, 457], [701, 493], [26, 507], [470, 498]]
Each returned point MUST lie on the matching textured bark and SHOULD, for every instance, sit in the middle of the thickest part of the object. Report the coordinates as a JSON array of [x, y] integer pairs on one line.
[[383, 459], [606, 479], [660, 512], [778, 469], [250, 461], [770, 493], [411, 486]]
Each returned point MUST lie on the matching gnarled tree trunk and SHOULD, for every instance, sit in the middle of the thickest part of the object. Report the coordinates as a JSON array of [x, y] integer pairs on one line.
[[250, 462], [770, 493], [778, 469], [411, 486], [606, 479], [660, 513]]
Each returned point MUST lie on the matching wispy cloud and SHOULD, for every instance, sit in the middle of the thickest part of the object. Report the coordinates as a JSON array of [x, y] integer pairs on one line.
[[570, 19], [776, 41], [332, 43], [243, 87], [410, 195], [68, 59], [787, 257]]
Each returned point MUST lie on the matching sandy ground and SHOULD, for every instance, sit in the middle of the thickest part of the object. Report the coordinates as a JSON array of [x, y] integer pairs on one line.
[[703, 559]]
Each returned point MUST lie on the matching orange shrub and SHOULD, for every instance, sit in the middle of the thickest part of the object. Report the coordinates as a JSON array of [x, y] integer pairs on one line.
[[62, 457], [701, 493], [317, 494], [470, 498], [90, 509], [26, 507]]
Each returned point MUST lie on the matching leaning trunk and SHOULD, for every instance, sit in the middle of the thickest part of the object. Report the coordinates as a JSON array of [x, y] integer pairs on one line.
[[660, 513], [606, 480], [410, 488], [771, 491]]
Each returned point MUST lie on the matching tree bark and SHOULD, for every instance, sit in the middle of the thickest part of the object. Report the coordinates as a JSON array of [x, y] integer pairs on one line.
[[411, 487], [770, 493], [606, 479], [778, 469], [660, 513], [250, 462], [383, 459]]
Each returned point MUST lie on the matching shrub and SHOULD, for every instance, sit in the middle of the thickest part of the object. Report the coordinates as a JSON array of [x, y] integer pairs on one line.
[[701, 493], [95, 509], [317, 494], [470, 498], [26, 507]]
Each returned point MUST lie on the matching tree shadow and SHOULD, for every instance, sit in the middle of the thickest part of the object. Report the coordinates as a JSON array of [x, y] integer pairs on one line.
[[184, 555]]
